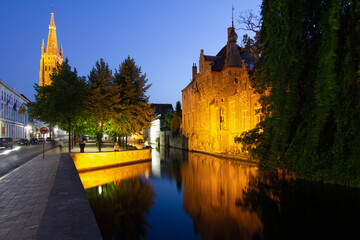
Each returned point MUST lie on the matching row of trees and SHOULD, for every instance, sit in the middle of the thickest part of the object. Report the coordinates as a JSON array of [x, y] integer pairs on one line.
[[309, 63], [115, 104]]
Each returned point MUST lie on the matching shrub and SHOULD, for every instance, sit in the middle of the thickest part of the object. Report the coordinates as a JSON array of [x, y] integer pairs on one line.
[[175, 124]]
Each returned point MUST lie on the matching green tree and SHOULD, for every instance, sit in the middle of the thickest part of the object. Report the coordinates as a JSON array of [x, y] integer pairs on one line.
[[62, 102], [309, 62], [131, 108], [169, 117], [178, 111], [101, 97], [175, 125]]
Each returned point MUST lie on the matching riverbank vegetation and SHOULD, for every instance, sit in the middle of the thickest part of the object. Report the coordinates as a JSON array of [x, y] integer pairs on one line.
[[309, 64]]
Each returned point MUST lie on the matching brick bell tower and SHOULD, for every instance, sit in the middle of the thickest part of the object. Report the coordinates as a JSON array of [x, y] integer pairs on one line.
[[51, 56]]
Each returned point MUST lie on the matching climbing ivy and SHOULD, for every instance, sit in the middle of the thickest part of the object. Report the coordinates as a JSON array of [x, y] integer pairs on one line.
[[309, 64]]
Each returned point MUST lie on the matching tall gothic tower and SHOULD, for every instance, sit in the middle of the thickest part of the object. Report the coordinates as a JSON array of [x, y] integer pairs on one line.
[[51, 56]]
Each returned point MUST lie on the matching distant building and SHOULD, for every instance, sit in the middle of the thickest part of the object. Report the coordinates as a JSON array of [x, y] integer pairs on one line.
[[153, 133], [48, 61], [219, 103], [13, 113], [51, 56]]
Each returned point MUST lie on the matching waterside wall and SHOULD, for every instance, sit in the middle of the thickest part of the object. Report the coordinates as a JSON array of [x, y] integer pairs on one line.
[[98, 160], [179, 141], [168, 139]]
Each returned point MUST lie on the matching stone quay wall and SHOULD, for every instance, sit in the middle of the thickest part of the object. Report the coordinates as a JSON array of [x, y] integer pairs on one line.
[[98, 160]]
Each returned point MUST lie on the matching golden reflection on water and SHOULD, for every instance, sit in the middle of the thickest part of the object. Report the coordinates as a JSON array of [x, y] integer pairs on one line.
[[95, 178], [211, 188], [225, 199]]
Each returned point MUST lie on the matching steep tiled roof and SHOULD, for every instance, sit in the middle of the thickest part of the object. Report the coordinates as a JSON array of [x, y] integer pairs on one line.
[[219, 59], [161, 108]]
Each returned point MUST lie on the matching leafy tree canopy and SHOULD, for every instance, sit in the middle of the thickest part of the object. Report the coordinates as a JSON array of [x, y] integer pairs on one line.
[[60, 103]]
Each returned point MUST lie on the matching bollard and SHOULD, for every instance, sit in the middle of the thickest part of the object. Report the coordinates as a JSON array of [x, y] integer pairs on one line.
[[82, 147]]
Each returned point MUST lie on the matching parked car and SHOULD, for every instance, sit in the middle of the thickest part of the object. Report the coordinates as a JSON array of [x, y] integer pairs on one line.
[[49, 139], [41, 140], [6, 143], [34, 141], [23, 141]]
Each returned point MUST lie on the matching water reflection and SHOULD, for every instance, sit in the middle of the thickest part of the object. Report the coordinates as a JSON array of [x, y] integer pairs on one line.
[[295, 209], [211, 188], [95, 178], [121, 209], [221, 199]]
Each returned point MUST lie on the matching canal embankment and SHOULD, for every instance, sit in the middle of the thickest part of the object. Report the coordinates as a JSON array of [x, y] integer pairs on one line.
[[99, 160], [67, 214]]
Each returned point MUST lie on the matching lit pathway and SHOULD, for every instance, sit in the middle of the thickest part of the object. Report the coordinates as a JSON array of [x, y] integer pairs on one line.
[[23, 196]]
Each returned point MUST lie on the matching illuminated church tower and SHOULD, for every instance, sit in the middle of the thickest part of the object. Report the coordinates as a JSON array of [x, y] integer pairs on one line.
[[51, 56]]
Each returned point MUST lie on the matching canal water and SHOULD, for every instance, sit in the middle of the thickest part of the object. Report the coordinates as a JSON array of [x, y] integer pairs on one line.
[[184, 195]]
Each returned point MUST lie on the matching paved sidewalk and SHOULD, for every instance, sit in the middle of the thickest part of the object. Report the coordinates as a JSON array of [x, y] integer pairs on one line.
[[32, 193], [24, 194], [67, 214]]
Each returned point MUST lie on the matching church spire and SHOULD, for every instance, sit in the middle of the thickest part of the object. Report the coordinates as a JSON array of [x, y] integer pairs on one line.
[[52, 22], [51, 57], [52, 47]]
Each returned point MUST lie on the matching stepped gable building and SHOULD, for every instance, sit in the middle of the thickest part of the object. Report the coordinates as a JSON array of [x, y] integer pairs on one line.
[[51, 56], [219, 103]]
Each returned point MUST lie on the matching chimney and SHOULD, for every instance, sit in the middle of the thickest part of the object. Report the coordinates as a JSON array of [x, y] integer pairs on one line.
[[194, 71]]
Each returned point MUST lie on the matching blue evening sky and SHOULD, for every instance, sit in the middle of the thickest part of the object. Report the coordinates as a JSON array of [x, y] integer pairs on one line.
[[163, 36]]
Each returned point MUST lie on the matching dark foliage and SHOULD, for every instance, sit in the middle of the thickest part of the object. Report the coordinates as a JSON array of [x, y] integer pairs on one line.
[[121, 209], [310, 56]]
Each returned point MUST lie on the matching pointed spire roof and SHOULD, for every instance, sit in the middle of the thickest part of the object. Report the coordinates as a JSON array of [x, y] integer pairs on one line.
[[52, 47], [52, 22]]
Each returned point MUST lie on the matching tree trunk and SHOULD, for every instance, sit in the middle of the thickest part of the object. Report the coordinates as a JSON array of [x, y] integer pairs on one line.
[[126, 143], [69, 139], [100, 137], [73, 141]]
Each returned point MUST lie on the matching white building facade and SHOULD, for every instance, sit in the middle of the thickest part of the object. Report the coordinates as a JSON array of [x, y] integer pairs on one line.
[[14, 117]]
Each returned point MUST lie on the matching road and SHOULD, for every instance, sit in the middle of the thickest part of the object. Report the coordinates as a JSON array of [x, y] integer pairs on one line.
[[10, 159]]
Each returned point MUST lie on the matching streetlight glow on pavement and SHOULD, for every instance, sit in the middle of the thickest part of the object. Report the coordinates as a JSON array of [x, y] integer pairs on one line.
[[9, 151]]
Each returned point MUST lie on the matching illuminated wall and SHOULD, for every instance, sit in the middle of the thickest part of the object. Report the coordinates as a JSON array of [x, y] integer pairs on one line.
[[219, 103], [155, 130], [51, 56], [211, 188], [91, 161]]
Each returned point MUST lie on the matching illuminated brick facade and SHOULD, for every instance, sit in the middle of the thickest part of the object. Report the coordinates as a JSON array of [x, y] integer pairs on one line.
[[51, 56], [220, 103]]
